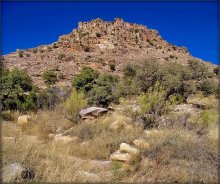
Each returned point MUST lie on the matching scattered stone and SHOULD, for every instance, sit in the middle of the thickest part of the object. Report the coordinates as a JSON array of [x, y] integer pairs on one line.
[[23, 120], [141, 143], [126, 148], [16, 173], [123, 157], [92, 112]]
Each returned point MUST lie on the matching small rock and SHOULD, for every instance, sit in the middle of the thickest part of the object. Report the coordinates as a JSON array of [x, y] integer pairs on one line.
[[23, 120], [141, 143], [126, 148], [16, 172], [123, 157], [51, 136]]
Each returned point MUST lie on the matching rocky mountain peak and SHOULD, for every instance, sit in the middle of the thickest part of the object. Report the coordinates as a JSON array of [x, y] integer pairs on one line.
[[98, 44]]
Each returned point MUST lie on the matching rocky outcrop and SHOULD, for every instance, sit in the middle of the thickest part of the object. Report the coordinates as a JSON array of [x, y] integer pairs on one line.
[[97, 44]]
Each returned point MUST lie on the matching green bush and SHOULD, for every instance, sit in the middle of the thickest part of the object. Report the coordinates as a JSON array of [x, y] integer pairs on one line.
[[85, 79], [49, 77], [208, 86], [153, 102], [73, 105], [21, 53], [199, 70], [102, 91], [17, 91]]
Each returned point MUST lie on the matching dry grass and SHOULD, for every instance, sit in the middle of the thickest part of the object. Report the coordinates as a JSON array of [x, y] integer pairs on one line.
[[176, 154]]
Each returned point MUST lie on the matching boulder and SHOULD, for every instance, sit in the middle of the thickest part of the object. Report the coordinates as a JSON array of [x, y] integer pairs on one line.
[[23, 120], [141, 143], [65, 139], [126, 148], [123, 157], [92, 112], [15, 172]]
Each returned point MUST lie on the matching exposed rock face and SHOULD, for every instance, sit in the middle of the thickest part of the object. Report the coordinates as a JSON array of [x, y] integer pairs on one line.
[[16, 173], [96, 44]]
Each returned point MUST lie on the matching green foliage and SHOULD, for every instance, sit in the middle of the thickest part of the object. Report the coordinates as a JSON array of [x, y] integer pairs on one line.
[[208, 86], [129, 71], [199, 69], [49, 77], [17, 91], [21, 53], [210, 118], [101, 93], [73, 105], [153, 102], [85, 80]]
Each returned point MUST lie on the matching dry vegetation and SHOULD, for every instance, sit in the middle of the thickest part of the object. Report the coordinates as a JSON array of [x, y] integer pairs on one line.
[[176, 153]]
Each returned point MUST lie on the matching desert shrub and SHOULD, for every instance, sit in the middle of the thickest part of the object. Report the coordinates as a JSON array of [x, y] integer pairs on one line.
[[17, 90], [216, 70], [129, 71], [210, 118], [50, 97], [199, 69], [153, 102], [208, 86], [61, 56], [98, 34], [101, 92], [21, 53], [86, 48], [49, 77], [73, 105], [61, 76], [112, 67], [85, 79]]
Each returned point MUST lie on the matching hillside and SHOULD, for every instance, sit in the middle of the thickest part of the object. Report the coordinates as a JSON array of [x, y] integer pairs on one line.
[[97, 44]]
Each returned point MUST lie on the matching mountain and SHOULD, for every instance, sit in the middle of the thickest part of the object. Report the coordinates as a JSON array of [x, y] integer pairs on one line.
[[100, 45]]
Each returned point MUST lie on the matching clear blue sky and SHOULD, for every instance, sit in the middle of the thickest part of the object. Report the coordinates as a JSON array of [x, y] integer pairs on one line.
[[190, 24]]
